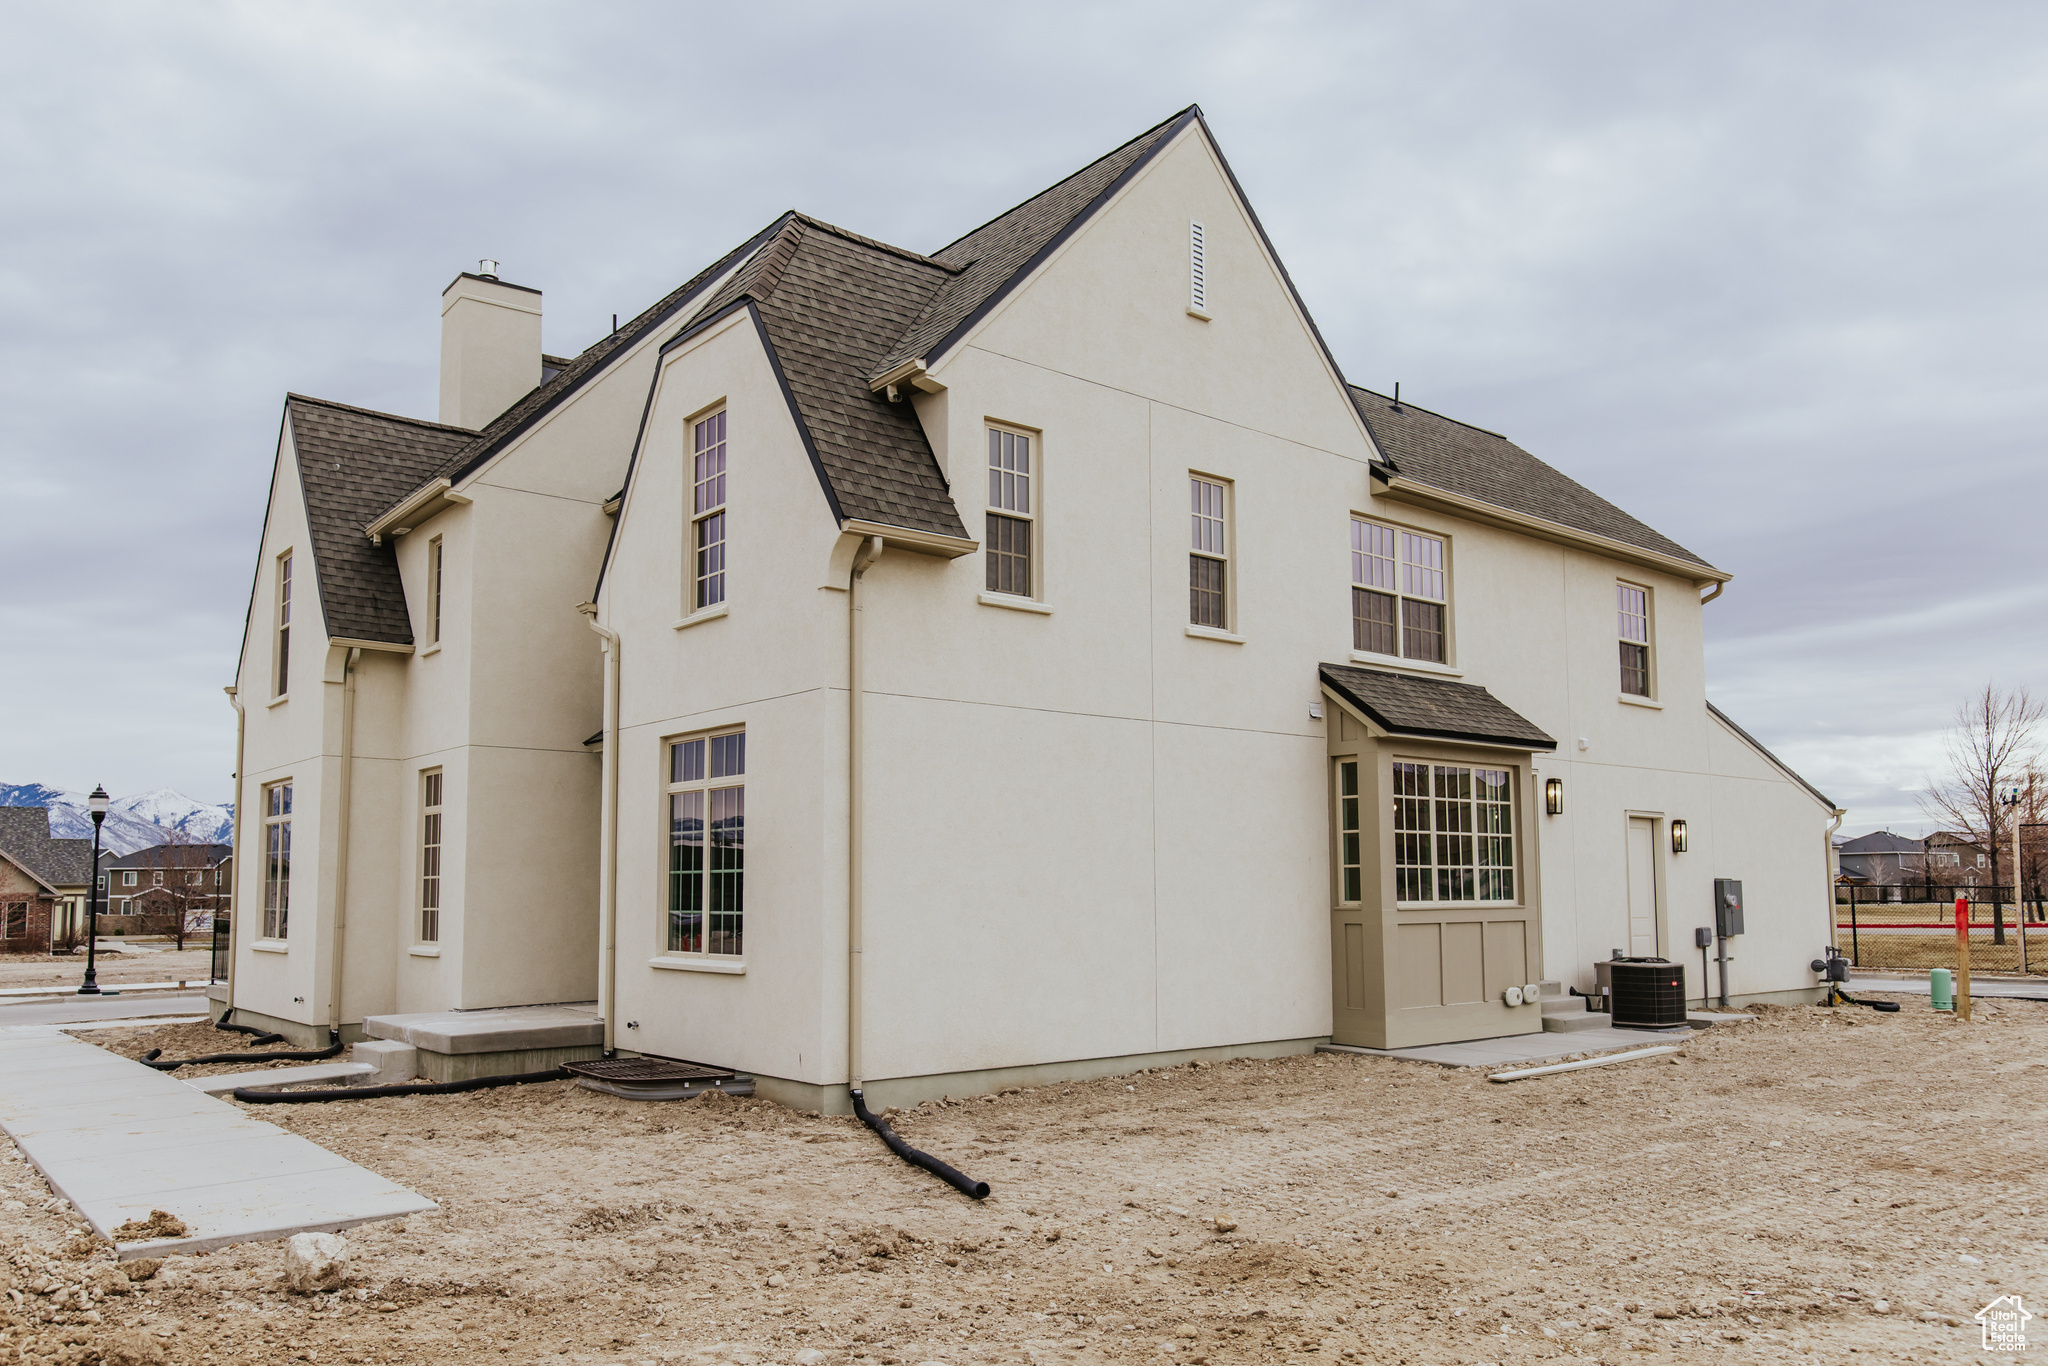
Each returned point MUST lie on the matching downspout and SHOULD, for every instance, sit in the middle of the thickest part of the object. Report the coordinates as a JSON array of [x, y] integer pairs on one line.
[[234, 849], [1828, 863], [1719, 584], [869, 552], [608, 838], [348, 757]]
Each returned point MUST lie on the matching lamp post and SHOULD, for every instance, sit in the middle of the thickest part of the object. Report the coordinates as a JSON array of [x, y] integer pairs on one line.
[[98, 802]]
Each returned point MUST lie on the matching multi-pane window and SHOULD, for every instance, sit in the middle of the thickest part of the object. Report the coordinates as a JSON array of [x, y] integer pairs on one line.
[[1008, 550], [1454, 834], [1347, 830], [707, 822], [430, 858], [707, 510], [156, 879], [434, 584], [277, 859], [1209, 555], [1632, 608], [16, 923], [284, 625], [1397, 592], [128, 877]]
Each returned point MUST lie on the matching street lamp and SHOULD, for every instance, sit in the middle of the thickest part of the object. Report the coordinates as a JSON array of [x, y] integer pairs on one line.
[[98, 802]]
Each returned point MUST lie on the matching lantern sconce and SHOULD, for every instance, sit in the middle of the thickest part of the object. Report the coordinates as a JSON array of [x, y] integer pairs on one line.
[[1678, 837], [1553, 796]]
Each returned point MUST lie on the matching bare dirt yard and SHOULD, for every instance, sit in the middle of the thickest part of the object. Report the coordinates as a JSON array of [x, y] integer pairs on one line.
[[136, 963], [1817, 1186]]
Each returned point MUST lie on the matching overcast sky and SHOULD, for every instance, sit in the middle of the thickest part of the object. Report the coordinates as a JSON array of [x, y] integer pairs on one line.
[[1767, 275]]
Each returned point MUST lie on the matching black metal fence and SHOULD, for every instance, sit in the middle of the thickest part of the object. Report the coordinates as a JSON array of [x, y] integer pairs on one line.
[[1912, 927], [221, 939]]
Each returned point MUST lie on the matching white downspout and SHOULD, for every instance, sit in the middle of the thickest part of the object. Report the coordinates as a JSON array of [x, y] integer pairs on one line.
[[608, 838], [348, 756], [234, 848], [1829, 862], [869, 552]]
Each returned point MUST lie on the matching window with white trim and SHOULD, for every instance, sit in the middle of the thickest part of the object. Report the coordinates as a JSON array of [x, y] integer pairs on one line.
[[127, 877], [1011, 521], [1198, 268], [1351, 889], [1209, 553], [277, 860], [284, 625], [434, 586], [1454, 833], [707, 823], [430, 857], [707, 511], [1399, 591], [1632, 623]]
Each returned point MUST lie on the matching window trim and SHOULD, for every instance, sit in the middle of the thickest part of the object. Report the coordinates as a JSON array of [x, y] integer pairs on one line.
[[695, 518], [1648, 697], [1517, 835], [1401, 596], [436, 563], [433, 845], [664, 955], [276, 924], [1032, 515], [1226, 518], [281, 627]]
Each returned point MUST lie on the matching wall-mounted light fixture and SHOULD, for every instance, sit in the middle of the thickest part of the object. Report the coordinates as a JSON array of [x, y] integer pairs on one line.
[[1678, 837], [1553, 795]]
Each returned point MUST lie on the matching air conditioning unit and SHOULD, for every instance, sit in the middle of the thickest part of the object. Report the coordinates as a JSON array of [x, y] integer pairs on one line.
[[1647, 993]]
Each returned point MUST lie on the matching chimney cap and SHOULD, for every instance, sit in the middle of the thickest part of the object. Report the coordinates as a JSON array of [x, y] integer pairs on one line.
[[487, 268]]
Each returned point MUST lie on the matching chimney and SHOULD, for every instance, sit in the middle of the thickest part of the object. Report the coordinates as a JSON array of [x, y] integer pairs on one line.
[[490, 346]]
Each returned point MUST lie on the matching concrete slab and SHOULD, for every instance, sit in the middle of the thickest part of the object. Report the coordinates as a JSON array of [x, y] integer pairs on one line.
[[511, 1029], [1521, 1048], [78, 1009], [277, 1078], [118, 1139]]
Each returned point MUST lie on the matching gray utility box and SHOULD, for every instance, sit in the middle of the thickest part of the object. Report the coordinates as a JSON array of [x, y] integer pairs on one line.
[[1727, 907]]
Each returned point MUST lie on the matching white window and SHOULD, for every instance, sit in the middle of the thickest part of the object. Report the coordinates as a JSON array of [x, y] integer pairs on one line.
[[1198, 269], [1398, 592], [707, 512], [1209, 553], [128, 877], [1010, 519], [430, 857], [1348, 833], [284, 624], [156, 879], [434, 588], [1632, 613], [1454, 833], [192, 880], [277, 859], [707, 822]]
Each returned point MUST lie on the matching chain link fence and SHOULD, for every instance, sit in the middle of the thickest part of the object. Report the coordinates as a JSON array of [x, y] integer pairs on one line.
[[1911, 927]]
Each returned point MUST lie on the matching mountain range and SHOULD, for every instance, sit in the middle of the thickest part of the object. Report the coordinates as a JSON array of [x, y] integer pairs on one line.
[[133, 823]]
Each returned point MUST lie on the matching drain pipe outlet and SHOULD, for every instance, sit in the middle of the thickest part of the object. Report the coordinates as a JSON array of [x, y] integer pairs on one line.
[[947, 1173], [608, 838]]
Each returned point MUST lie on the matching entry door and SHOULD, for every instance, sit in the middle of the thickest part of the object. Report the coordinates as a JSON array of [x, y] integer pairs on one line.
[[1642, 887]]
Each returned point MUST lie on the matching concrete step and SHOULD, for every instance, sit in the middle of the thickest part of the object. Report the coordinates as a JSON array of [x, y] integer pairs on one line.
[[1563, 1022], [277, 1078], [1703, 1019]]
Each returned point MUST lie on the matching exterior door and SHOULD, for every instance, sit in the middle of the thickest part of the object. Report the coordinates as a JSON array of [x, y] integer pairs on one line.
[[1642, 887]]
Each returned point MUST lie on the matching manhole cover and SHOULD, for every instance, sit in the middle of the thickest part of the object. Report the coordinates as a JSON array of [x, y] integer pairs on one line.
[[646, 1070]]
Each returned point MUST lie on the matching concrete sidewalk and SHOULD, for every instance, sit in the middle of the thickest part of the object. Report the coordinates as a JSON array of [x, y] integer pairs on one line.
[[118, 1140], [1545, 1046], [1980, 987]]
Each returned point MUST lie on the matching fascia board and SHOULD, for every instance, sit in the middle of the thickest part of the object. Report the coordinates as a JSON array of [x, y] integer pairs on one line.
[[908, 538], [391, 647], [1773, 760], [1403, 489], [284, 434], [417, 507]]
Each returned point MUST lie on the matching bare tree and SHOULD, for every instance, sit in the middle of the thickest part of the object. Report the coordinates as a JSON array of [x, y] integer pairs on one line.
[[184, 864], [1991, 745]]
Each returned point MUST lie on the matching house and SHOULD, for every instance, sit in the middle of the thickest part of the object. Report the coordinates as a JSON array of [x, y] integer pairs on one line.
[[1956, 860], [164, 881], [1883, 860], [1027, 660], [42, 883]]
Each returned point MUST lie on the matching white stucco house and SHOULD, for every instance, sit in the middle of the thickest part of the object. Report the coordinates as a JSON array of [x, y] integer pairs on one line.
[[1023, 660]]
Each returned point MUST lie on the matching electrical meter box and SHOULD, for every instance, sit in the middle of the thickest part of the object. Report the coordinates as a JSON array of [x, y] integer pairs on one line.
[[1727, 907]]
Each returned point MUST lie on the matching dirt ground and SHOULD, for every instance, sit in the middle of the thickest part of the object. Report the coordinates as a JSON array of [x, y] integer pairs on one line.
[[137, 963], [1817, 1186]]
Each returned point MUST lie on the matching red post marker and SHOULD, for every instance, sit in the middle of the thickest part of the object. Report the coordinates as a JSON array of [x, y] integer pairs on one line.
[[1963, 957]]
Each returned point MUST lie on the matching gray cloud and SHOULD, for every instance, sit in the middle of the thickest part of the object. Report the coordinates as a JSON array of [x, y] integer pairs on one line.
[[1765, 275]]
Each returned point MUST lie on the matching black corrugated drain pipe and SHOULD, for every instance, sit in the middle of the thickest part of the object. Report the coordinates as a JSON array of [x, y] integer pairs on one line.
[[262, 1036], [415, 1088], [951, 1175], [155, 1057]]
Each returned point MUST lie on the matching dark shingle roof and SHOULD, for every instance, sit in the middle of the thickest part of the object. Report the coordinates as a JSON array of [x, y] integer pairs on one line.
[[1003, 248], [1881, 842], [171, 855], [1433, 708], [1447, 454], [353, 465], [25, 838]]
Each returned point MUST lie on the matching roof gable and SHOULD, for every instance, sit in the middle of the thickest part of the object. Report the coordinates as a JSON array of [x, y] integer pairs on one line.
[[25, 840], [1433, 708], [353, 464]]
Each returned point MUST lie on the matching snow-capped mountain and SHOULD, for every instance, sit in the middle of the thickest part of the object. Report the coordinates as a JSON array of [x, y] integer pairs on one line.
[[136, 822]]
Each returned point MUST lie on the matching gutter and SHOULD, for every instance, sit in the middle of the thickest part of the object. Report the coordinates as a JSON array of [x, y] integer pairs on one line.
[[235, 851], [907, 538], [424, 503], [869, 552], [608, 839]]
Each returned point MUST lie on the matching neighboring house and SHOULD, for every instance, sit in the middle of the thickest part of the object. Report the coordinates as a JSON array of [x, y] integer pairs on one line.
[[1955, 860], [194, 876], [1031, 659], [1882, 859], [42, 883]]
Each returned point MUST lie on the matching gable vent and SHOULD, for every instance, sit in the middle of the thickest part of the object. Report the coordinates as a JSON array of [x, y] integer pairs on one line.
[[1198, 270]]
